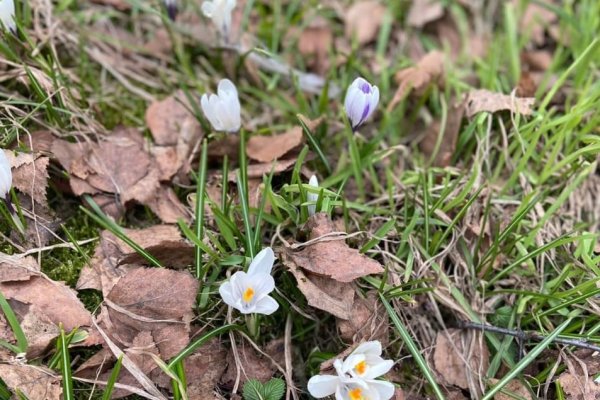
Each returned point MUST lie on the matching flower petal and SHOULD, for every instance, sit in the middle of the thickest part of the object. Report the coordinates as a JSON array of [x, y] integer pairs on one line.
[[385, 389], [262, 263], [208, 9], [351, 361], [226, 292], [267, 306], [371, 348], [320, 386], [377, 370]]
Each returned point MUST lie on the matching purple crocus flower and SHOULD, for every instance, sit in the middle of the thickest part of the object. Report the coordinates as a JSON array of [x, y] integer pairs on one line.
[[171, 6], [361, 101]]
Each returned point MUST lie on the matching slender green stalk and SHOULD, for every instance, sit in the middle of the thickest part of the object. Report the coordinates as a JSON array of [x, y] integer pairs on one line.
[[200, 194], [412, 347], [114, 375], [65, 367], [10, 316]]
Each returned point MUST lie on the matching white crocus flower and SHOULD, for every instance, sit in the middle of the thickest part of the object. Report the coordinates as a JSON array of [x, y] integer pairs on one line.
[[365, 361], [7, 14], [5, 176], [340, 385], [219, 11], [223, 109], [249, 292], [312, 197], [361, 100]]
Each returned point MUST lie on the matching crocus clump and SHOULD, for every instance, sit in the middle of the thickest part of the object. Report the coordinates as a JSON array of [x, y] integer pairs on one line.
[[219, 11], [223, 109], [248, 292], [7, 15], [312, 197], [361, 101], [356, 376]]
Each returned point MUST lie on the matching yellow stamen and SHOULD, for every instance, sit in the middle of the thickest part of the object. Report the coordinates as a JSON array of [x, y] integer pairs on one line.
[[356, 394], [361, 367], [248, 295]]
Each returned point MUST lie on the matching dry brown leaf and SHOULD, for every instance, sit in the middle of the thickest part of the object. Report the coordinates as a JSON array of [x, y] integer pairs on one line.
[[514, 387], [228, 145], [143, 300], [177, 133], [429, 70], [332, 258], [535, 20], [422, 12], [526, 87], [482, 100], [33, 381], [579, 387], [269, 148], [369, 321], [259, 170], [17, 269], [323, 293], [461, 358], [537, 60], [363, 20], [30, 175], [314, 44], [449, 136], [252, 364]]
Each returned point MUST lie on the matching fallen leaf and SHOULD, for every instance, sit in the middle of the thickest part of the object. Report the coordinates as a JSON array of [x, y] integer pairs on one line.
[[535, 20], [579, 387], [143, 300], [363, 19], [537, 60], [449, 139], [323, 293], [526, 87], [177, 133], [482, 100], [259, 170], [514, 388], [252, 366], [314, 44], [461, 358], [269, 148], [330, 256], [429, 70], [30, 175], [33, 381], [13, 268], [369, 321], [422, 12], [228, 145]]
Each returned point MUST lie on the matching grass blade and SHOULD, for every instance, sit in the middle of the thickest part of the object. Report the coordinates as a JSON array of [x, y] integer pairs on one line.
[[65, 367], [14, 325], [110, 384]]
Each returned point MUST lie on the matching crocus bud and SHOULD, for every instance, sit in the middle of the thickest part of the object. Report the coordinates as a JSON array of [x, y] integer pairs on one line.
[[219, 11], [223, 109], [171, 6], [361, 101], [312, 197], [7, 15], [5, 176]]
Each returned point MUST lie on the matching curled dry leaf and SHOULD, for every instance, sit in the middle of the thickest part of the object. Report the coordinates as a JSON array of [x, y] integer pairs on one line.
[[266, 149], [143, 300], [177, 133], [422, 12], [314, 44], [579, 387], [330, 256], [447, 145], [363, 20], [119, 170], [461, 358], [513, 389], [113, 258], [253, 365], [429, 70], [369, 321], [30, 175], [482, 100], [33, 381]]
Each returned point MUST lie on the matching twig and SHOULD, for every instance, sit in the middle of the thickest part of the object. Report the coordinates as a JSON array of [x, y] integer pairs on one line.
[[525, 335]]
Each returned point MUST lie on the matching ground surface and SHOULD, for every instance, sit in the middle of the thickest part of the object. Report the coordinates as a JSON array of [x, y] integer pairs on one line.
[[469, 197]]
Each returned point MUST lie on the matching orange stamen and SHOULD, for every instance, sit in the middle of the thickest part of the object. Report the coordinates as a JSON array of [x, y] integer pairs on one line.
[[361, 367], [248, 295], [356, 394]]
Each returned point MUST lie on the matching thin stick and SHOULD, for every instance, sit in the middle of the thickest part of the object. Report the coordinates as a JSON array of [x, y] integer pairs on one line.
[[523, 335]]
